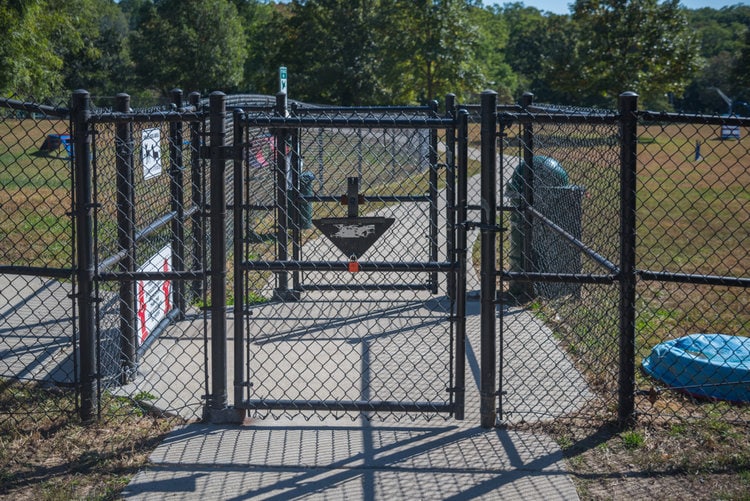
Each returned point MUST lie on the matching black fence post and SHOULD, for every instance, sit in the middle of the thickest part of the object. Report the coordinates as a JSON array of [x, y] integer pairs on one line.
[[282, 203], [295, 167], [461, 254], [84, 227], [450, 190], [196, 197], [177, 204], [217, 410], [126, 239], [239, 257], [628, 166], [488, 269], [433, 193]]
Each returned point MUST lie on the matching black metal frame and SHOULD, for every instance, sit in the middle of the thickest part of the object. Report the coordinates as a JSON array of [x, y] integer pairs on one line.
[[287, 129]]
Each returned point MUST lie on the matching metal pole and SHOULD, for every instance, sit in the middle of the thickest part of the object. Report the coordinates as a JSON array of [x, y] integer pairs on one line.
[[432, 159], [217, 401], [461, 251], [488, 272], [628, 165], [296, 215], [126, 239], [282, 217], [196, 197], [177, 205], [450, 191], [84, 226], [239, 256]]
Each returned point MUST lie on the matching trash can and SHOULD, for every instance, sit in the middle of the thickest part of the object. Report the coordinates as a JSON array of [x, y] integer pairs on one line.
[[558, 201], [298, 205]]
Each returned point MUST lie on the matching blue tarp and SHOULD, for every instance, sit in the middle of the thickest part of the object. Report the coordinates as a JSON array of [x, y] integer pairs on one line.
[[713, 366]]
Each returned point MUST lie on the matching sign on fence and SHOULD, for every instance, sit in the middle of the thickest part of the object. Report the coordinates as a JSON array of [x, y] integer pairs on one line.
[[151, 153], [154, 295]]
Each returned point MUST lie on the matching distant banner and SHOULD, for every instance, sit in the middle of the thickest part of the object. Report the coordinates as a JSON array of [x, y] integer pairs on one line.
[[154, 295], [260, 151]]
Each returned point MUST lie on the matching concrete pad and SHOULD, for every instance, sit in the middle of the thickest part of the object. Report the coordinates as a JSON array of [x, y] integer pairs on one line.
[[302, 460]]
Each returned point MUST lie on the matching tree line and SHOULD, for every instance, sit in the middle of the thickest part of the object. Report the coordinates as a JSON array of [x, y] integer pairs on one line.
[[379, 52]]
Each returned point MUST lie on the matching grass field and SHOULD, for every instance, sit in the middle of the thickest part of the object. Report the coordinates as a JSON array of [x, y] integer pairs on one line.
[[35, 198]]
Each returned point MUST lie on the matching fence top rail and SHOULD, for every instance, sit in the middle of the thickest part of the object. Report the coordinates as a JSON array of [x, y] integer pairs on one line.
[[654, 116], [558, 118], [309, 109], [367, 122], [15, 104], [187, 115]]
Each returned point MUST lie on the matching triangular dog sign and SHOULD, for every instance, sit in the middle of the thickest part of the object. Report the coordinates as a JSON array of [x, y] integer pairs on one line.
[[353, 235]]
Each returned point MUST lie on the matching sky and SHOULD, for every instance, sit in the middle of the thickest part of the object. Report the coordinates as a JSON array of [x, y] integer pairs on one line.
[[562, 6]]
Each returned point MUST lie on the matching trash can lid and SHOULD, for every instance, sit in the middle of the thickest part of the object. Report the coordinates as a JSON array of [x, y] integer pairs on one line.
[[547, 172]]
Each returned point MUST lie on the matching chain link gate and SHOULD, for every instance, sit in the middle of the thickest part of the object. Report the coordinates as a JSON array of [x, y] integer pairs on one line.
[[348, 286]]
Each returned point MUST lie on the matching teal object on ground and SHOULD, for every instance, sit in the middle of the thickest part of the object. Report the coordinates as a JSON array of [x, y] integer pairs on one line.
[[547, 173], [713, 366]]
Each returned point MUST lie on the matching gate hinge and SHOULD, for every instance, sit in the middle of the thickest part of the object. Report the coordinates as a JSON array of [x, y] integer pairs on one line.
[[227, 152]]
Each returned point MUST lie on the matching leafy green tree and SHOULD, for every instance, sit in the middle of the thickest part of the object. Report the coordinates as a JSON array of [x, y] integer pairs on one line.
[[263, 23], [95, 49], [490, 51], [542, 51], [193, 44], [431, 49], [722, 34], [331, 52], [640, 45], [29, 66]]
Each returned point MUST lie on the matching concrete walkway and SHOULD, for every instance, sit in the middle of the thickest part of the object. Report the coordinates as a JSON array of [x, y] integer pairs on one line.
[[358, 459], [390, 459]]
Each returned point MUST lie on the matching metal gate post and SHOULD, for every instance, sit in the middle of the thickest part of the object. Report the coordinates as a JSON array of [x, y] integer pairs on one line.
[[488, 272], [177, 205], [84, 228], [628, 165], [196, 197], [126, 239], [295, 216], [461, 252], [450, 191], [282, 291], [433, 189], [217, 410], [239, 257]]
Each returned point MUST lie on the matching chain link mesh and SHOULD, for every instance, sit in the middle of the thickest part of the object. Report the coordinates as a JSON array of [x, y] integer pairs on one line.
[[561, 344], [321, 341], [38, 340], [340, 340]]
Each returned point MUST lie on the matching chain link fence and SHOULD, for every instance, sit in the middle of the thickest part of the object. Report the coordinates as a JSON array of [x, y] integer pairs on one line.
[[572, 347], [186, 201], [37, 312]]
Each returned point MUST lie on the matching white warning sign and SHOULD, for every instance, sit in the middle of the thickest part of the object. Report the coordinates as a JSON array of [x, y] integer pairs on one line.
[[154, 296], [151, 153]]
